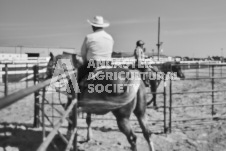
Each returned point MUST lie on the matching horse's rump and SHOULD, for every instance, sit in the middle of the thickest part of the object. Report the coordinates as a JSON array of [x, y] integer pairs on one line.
[[109, 89]]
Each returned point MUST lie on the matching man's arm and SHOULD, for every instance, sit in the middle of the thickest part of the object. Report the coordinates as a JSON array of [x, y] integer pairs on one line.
[[84, 50]]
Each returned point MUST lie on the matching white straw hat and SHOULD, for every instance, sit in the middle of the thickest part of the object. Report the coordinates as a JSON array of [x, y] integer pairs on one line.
[[98, 21]]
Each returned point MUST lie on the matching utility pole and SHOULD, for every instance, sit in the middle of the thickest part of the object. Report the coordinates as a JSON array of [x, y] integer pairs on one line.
[[159, 43]]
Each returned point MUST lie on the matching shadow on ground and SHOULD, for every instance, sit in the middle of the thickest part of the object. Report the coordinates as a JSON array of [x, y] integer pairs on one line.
[[24, 138]]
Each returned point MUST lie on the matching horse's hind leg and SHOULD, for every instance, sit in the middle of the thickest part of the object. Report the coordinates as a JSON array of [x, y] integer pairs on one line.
[[122, 116], [125, 127], [89, 129], [145, 131], [140, 114]]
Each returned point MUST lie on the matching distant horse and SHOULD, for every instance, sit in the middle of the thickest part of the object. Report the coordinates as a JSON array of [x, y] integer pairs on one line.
[[165, 68], [122, 102]]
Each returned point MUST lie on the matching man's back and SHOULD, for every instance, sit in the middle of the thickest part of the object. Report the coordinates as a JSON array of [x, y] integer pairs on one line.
[[99, 45], [96, 46], [139, 53]]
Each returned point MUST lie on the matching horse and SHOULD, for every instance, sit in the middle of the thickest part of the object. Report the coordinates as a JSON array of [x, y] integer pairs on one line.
[[122, 102], [163, 68]]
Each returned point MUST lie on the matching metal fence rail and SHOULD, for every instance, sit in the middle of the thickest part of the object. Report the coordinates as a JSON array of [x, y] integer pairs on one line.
[[40, 92], [13, 98], [53, 133], [212, 92], [36, 89], [213, 74], [18, 75]]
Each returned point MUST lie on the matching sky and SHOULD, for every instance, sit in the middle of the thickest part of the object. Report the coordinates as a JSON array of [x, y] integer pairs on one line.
[[194, 28]]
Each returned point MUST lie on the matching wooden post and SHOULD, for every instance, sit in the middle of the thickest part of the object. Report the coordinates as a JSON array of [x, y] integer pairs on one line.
[[209, 69], [52, 107], [36, 95], [197, 69], [212, 83], [26, 75], [170, 107], [75, 115], [74, 111], [164, 95], [43, 114], [6, 79]]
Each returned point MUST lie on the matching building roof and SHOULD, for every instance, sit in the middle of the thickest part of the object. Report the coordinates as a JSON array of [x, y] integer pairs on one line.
[[44, 51], [156, 54]]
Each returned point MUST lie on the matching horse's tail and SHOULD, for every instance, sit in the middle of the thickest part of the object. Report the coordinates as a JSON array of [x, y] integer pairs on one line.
[[111, 102]]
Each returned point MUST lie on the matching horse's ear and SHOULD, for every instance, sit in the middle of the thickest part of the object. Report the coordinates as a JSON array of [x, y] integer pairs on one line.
[[51, 54], [74, 58]]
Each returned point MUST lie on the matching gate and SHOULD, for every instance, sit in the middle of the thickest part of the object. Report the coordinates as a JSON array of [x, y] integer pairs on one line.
[[203, 103], [41, 100]]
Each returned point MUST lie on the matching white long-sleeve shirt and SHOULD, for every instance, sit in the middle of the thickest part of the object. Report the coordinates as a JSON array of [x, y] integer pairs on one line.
[[97, 45], [139, 54]]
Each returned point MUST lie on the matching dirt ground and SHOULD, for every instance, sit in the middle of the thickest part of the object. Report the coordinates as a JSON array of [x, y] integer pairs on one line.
[[17, 133]]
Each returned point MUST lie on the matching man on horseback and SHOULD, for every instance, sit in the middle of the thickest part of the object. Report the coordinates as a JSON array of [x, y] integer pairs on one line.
[[139, 51], [96, 46], [139, 54], [122, 95]]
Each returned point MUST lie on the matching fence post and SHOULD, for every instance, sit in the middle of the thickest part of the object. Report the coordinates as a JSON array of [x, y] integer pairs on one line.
[[212, 83], [164, 95], [74, 111], [197, 70], [6, 79], [209, 69], [36, 95], [43, 114], [73, 117], [27, 75], [170, 106]]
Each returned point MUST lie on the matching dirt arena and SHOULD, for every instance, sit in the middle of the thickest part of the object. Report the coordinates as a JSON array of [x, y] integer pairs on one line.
[[17, 134]]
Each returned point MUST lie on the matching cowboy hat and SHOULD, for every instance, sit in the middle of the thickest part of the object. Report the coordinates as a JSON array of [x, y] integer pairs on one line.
[[98, 21]]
